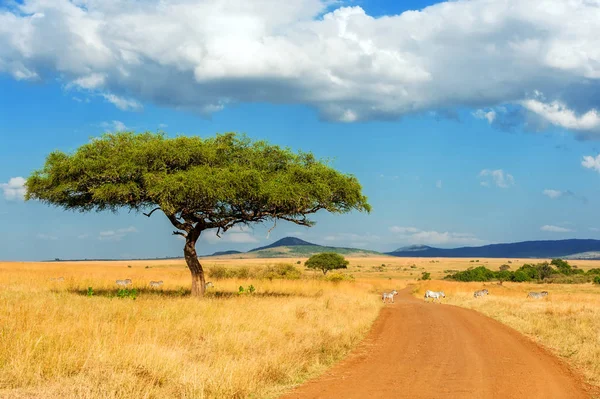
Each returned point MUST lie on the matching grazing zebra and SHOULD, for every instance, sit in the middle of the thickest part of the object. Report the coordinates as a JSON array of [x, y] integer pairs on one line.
[[124, 282], [155, 284], [537, 294], [208, 284], [390, 295], [435, 295], [479, 293]]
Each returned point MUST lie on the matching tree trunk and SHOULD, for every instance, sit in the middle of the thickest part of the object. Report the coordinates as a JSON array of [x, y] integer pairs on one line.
[[191, 258]]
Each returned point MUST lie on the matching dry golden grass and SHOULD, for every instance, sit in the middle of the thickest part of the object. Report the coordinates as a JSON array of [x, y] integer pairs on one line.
[[567, 321], [56, 342]]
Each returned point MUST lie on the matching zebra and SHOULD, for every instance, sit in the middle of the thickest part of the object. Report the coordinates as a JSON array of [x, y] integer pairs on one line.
[[537, 294], [208, 284], [479, 293], [435, 295], [390, 295], [155, 284], [124, 282]]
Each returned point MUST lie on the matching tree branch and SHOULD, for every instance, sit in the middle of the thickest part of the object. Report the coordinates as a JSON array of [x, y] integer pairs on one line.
[[151, 212], [179, 233]]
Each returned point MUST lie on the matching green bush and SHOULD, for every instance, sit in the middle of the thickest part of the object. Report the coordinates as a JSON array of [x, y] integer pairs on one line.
[[426, 276], [283, 271], [597, 280], [520, 276], [594, 271]]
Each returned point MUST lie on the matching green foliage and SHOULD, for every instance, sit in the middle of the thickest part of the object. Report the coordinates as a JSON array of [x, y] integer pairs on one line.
[[594, 271], [326, 261], [336, 277], [250, 290], [226, 176], [284, 271], [426, 276], [528, 272], [127, 293], [90, 291], [596, 279], [562, 266]]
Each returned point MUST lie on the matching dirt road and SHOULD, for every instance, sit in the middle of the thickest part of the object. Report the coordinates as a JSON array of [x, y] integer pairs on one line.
[[424, 350]]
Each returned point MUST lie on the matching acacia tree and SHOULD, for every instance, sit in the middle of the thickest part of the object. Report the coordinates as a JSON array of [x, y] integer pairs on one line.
[[326, 261], [198, 184]]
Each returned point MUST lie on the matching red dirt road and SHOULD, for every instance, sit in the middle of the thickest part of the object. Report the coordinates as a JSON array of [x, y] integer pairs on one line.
[[423, 350]]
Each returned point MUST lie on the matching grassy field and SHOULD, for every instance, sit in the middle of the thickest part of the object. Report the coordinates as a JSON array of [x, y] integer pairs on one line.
[[567, 321], [57, 342]]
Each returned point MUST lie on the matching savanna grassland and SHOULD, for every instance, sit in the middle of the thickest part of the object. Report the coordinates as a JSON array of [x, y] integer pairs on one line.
[[61, 339]]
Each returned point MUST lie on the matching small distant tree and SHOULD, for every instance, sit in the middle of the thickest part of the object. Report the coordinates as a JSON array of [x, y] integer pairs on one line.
[[504, 267], [426, 276], [199, 184], [563, 266], [326, 261]]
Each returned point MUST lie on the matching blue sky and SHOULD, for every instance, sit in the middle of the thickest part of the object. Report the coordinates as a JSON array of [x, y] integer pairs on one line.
[[466, 122]]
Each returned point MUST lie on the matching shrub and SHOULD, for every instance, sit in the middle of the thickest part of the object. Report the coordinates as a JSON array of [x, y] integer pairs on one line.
[[594, 271], [504, 267], [597, 280], [520, 276], [336, 277], [284, 271], [426, 276]]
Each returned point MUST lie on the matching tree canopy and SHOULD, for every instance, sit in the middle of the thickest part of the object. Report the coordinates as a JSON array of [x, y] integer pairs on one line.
[[326, 261], [198, 183]]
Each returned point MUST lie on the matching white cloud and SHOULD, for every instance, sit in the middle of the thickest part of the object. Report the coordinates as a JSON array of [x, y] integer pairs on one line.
[[412, 235], [438, 184], [83, 236], [123, 104], [116, 235], [555, 229], [349, 65], [403, 230], [489, 115], [162, 125], [559, 114], [47, 237], [114, 126], [499, 177], [552, 193], [14, 190], [594, 229], [590, 162]]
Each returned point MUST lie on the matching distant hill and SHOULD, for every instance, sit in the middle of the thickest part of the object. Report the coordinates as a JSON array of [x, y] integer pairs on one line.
[[230, 252], [284, 242], [292, 247], [525, 249], [414, 248]]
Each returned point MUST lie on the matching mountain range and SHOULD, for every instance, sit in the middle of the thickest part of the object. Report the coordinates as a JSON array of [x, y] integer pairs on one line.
[[568, 249]]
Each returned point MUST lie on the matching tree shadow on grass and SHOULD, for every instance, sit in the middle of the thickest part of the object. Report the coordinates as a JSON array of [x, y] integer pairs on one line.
[[179, 293]]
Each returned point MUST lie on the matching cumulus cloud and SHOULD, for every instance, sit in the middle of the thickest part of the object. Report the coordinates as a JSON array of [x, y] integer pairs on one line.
[[591, 162], [490, 116], [116, 235], [554, 194], [14, 190], [555, 229], [349, 65], [413, 235], [498, 177], [114, 126]]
